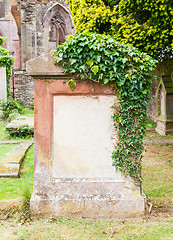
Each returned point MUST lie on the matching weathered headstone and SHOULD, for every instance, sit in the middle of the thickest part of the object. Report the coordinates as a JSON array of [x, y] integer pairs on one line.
[[165, 106], [3, 85], [74, 140]]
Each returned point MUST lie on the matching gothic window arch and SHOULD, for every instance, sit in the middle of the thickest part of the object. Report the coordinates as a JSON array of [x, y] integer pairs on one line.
[[59, 23]]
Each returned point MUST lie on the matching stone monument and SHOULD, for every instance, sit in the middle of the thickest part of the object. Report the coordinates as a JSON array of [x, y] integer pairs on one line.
[[165, 98], [3, 85], [74, 140]]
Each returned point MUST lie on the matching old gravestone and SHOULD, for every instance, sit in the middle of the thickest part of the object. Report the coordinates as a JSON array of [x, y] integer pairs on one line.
[[3, 85], [74, 139], [164, 74]]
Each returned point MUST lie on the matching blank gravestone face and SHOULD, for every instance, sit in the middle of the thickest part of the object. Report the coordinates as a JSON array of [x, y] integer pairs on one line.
[[84, 137]]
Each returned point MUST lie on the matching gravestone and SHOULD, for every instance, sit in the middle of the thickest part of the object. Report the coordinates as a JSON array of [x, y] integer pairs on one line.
[[3, 85], [74, 140], [165, 106]]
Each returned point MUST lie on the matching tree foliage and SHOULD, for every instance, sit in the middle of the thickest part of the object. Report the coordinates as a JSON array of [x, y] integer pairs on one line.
[[6, 60], [146, 24], [103, 60]]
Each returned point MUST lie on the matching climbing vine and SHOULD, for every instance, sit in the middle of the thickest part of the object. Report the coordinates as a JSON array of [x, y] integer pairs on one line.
[[103, 60], [6, 60]]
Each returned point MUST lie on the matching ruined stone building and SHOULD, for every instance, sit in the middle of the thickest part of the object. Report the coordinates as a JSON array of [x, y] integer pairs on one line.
[[32, 28]]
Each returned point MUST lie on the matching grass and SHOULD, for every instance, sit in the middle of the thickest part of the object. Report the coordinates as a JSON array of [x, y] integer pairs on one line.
[[4, 136], [85, 229], [5, 149], [157, 184], [158, 171], [28, 112], [11, 188]]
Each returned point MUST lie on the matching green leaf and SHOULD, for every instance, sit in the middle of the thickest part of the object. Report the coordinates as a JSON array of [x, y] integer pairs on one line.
[[105, 80], [58, 59], [72, 61], [145, 91], [95, 69], [89, 62]]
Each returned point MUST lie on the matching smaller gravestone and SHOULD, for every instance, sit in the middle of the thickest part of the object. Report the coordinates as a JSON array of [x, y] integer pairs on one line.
[[3, 85], [165, 106]]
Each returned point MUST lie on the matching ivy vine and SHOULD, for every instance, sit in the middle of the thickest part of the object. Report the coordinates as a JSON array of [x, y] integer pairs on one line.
[[103, 60], [6, 60]]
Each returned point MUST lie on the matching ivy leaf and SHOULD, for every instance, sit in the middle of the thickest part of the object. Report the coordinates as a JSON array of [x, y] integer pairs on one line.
[[105, 80], [145, 91], [58, 59], [101, 76], [114, 68], [89, 62], [82, 67], [95, 69], [98, 58], [72, 61], [124, 60]]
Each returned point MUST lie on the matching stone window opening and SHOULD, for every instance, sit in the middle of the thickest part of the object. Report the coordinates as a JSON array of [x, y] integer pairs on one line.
[[56, 31]]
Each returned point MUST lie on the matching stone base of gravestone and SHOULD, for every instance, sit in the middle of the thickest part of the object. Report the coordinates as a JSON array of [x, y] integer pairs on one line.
[[74, 140], [164, 127]]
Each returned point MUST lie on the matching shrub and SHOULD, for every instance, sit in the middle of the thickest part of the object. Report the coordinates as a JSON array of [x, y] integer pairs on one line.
[[145, 24], [22, 132], [9, 107], [6, 60]]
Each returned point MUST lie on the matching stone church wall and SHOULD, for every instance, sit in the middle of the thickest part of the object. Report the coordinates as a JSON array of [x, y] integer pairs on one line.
[[42, 25], [24, 88]]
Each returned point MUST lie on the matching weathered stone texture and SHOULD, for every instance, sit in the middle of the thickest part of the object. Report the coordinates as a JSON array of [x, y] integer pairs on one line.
[[74, 139], [8, 29], [10, 166], [3, 84], [164, 68], [24, 88], [42, 25], [35, 20], [152, 109]]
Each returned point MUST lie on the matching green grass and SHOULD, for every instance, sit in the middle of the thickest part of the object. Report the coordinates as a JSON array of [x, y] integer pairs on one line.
[[28, 112], [157, 175], [158, 171], [11, 188], [4, 136], [85, 229], [5, 149]]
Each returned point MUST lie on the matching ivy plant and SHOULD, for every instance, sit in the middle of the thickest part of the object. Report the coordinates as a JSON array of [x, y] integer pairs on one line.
[[6, 60], [101, 59]]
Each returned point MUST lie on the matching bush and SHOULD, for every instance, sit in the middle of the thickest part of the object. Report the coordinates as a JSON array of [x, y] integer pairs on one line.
[[24, 131], [9, 107], [147, 25], [6, 60]]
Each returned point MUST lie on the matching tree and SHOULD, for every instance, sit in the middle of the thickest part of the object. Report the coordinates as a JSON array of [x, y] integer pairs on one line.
[[145, 24]]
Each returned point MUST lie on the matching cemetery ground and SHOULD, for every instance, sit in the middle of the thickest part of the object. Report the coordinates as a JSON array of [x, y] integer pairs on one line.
[[15, 222]]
